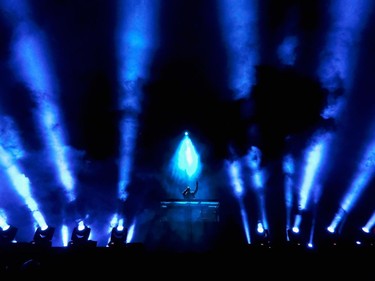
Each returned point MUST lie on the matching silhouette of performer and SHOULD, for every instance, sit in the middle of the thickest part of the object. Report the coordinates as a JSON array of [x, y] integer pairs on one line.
[[188, 193]]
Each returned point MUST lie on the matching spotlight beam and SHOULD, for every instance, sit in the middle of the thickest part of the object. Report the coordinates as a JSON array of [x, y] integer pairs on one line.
[[31, 61], [239, 21], [22, 185], [135, 38]]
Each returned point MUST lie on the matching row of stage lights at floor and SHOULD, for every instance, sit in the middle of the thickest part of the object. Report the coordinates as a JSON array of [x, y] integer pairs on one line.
[[295, 240], [119, 234], [79, 236], [364, 238]]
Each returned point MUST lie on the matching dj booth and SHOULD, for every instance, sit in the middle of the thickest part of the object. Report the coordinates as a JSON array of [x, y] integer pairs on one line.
[[188, 224], [190, 211]]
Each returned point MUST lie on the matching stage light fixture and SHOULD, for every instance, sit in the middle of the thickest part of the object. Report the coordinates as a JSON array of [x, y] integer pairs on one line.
[[294, 238], [119, 235], [7, 235], [43, 236], [366, 238], [262, 238], [80, 236]]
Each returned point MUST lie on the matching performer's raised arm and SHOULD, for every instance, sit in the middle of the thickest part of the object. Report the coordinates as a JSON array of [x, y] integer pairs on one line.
[[196, 188]]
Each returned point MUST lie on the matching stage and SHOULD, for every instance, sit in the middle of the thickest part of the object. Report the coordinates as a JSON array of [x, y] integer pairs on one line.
[[137, 259]]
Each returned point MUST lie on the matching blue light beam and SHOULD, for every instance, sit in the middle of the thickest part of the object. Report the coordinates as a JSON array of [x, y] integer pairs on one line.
[[357, 187], [338, 58], [237, 184], [239, 20], [369, 224], [22, 185], [287, 50], [234, 171], [186, 164], [361, 180], [314, 159], [136, 40], [10, 139], [31, 61], [289, 170]]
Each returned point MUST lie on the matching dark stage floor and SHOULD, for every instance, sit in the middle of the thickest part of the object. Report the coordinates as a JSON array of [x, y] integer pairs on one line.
[[289, 260]]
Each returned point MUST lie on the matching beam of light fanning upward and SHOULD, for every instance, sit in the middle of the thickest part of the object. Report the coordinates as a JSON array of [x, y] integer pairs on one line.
[[289, 170], [31, 62], [253, 162], [287, 50], [234, 172], [239, 21], [136, 33], [338, 59], [22, 185], [314, 158], [369, 224], [357, 187]]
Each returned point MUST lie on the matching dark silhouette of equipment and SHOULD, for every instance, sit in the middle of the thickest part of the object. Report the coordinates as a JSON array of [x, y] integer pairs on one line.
[[43, 237], [118, 237], [80, 236]]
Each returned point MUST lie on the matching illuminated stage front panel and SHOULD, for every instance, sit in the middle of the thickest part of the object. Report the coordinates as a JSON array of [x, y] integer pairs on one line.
[[190, 211]]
